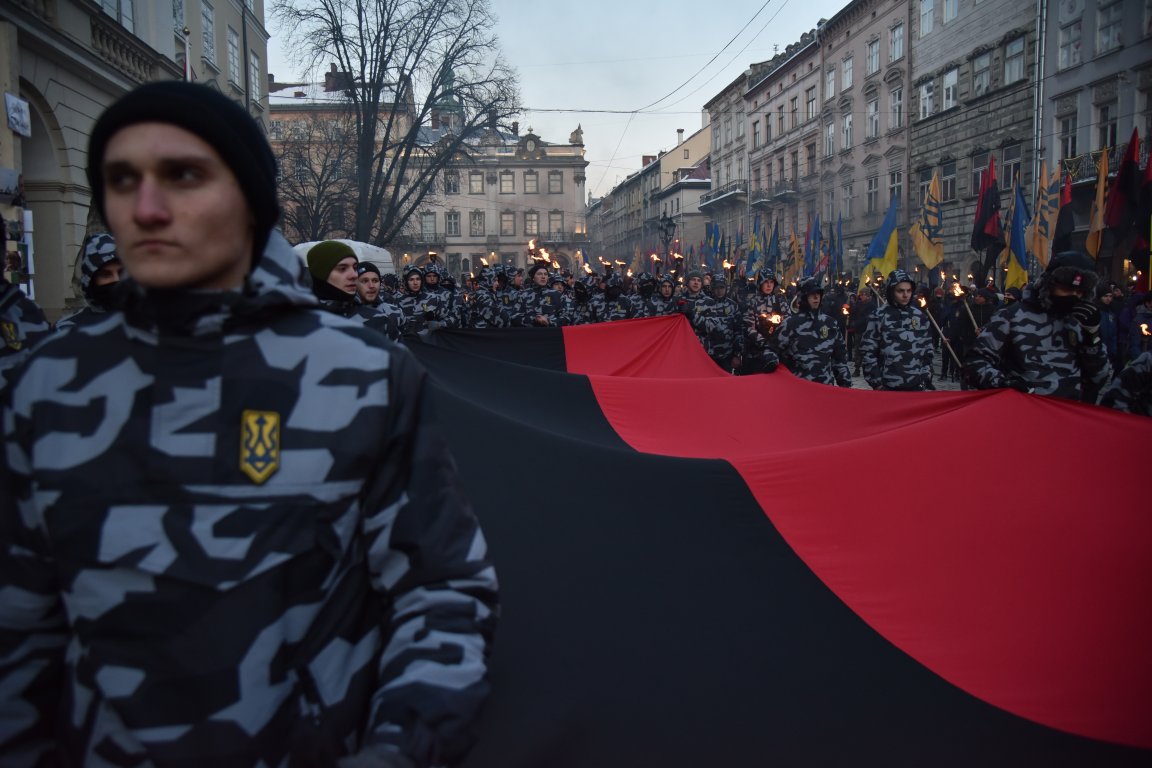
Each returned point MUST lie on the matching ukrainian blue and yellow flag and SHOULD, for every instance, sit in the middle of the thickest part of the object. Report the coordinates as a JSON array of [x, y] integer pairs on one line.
[[883, 251], [1017, 256]]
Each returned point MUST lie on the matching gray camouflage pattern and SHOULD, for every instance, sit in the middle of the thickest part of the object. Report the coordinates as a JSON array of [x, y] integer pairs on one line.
[[812, 347], [22, 326], [896, 350], [231, 537]]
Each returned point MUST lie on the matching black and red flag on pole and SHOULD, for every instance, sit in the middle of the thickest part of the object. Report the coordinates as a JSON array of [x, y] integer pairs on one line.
[[706, 570], [1065, 220], [987, 231], [1124, 197]]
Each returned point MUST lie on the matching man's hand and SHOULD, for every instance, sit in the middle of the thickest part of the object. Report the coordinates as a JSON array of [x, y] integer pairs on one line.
[[1088, 315], [540, 320]]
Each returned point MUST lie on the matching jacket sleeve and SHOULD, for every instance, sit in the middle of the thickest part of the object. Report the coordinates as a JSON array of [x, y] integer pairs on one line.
[[33, 630], [870, 349], [428, 561], [982, 360]]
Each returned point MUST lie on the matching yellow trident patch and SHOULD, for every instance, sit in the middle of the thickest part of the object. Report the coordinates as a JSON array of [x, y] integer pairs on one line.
[[259, 444], [11, 337]]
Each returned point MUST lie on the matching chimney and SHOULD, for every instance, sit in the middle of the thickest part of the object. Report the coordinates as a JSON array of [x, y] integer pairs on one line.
[[679, 136], [647, 160], [335, 80]]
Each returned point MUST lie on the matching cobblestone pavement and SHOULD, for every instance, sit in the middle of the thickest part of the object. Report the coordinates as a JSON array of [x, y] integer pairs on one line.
[[947, 385]]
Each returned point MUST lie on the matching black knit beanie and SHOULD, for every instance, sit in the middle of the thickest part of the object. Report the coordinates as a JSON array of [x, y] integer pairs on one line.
[[210, 115], [367, 266]]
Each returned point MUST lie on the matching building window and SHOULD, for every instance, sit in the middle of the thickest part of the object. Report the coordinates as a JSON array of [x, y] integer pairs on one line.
[[234, 74], [873, 59], [452, 224], [727, 130], [926, 17], [531, 183], [951, 88], [951, 8], [810, 157], [507, 183], [896, 43], [927, 99], [924, 183], [1070, 45], [476, 224], [810, 103], [846, 139], [829, 204], [428, 226], [873, 127], [208, 33], [755, 185], [1106, 125], [716, 137], [755, 134], [121, 10], [847, 76], [685, 154], [979, 168], [1109, 19], [872, 196], [947, 182], [895, 185], [254, 75], [555, 222], [829, 83], [507, 224], [531, 223], [829, 139], [981, 74], [848, 195], [794, 103], [1068, 136], [451, 182], [897, 98], [780, 120], [555, 182], [1011, 166], [476, 183], [740, 125], [1014, 61]]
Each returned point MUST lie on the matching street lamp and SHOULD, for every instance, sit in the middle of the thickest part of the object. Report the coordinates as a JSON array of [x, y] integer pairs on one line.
[[667, 226]]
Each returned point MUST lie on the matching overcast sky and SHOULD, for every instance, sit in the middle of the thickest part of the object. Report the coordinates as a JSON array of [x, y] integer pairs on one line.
[[599, 61]]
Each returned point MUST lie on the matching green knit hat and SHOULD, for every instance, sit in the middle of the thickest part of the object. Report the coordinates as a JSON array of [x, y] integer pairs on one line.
[[323, 258]]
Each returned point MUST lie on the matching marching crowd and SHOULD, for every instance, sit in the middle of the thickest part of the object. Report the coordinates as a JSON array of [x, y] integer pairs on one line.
[[230, 528]]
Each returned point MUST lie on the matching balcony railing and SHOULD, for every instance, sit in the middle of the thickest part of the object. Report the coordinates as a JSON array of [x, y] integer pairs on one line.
[[737, 187], [1083, 167]]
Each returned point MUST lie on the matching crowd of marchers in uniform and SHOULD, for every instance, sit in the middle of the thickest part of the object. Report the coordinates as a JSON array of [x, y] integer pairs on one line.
[[1090, 343]]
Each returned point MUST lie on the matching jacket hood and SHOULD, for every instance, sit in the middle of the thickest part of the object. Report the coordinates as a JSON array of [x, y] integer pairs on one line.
[[279, 281]]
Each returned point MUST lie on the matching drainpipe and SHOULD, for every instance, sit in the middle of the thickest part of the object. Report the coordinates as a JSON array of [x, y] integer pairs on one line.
[[1038, 97]]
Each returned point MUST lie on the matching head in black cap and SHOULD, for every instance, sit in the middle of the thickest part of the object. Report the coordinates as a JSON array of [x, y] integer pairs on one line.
[[155, 184], [1070, 276], [99, 269]]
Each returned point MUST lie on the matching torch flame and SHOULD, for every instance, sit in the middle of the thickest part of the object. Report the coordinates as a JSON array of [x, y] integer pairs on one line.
[[483, 262], [923, 302], [726, 265], [776, 318], [620, 263], [555, 264], [588, 269], [655, 259], [1144, 329], [629, 273], [532, 244], [844, 309]]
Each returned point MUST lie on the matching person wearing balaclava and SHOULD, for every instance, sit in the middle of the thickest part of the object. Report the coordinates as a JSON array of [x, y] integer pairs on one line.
[[222, 542], [1048, 343], [100, 270]]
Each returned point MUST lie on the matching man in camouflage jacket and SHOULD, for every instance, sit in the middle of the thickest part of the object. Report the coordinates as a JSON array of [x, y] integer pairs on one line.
[[230, 533], [897, 347], [722, 325], [1049, 342], [538, 305], [810, 341], [22, 325], [765, 312]]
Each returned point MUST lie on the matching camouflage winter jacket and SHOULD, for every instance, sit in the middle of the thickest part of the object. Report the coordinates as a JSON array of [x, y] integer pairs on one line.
[[812, 348], [897, 349], [721, 323], [1026, 345], [231, 537], [762, 320], [602, 309], [485, 310], [425, 310], [22, 325], [1131, 390], [555, 306]]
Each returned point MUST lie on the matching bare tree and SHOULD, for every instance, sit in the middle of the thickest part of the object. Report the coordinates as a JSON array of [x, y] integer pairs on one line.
[[406, 60], [316, 156]]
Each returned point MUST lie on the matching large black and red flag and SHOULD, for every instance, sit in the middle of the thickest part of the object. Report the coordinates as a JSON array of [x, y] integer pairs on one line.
[[706, 570], [986, 226], [1065, 220], [1121, 210]]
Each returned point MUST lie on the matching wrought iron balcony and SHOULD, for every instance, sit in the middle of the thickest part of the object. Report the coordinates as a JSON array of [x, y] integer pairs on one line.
[[728, 192]]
